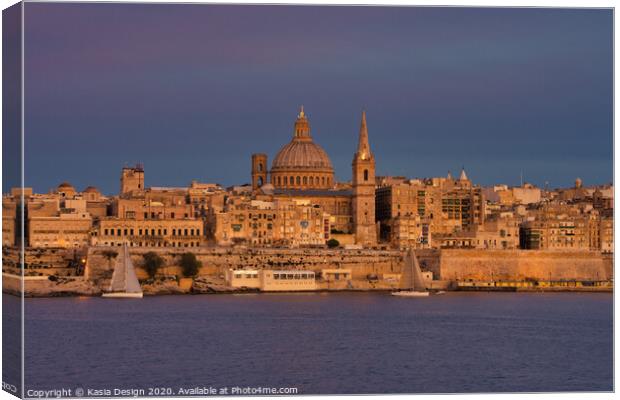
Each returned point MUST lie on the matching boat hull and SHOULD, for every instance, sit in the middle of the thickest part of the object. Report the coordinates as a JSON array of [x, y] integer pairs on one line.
[[122, 295], [410, 294]]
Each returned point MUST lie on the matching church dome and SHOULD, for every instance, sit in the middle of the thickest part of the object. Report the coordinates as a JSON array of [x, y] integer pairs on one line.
[[91, 189], [301, 155], [302, 164], [65, 186]]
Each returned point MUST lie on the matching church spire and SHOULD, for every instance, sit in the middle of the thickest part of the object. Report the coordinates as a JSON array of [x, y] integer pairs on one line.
[[363, 147], [463, 176]]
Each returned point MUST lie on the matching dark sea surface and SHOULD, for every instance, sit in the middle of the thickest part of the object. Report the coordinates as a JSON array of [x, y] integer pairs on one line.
[[325, 343]]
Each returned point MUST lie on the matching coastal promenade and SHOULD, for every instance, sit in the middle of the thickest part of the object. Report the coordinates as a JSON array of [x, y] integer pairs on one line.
[[367, 270]]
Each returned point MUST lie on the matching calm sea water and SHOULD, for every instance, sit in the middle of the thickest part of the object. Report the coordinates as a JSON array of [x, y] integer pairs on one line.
[[325, 343]]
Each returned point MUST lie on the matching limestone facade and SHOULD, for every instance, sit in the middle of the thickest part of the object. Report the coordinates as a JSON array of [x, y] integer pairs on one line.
[[287, 223], [150, 232]]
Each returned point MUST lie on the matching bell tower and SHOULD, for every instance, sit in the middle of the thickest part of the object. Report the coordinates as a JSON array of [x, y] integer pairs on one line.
[[259, 170], [132, 179], [364, 190]]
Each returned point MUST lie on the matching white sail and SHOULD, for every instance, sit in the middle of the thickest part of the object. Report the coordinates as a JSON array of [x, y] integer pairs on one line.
[[131, 281], [412, 278], [118, 276], [419, 284], [124, 280]]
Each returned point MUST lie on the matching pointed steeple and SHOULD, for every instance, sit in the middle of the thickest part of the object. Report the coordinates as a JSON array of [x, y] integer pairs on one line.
[[449, 177], [363, 147], [463, 176]]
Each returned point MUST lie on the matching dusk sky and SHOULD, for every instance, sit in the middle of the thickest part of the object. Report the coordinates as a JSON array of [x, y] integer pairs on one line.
[[192, 90]]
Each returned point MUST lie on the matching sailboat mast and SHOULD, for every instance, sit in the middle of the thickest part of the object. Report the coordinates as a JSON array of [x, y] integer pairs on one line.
[[411, 265]]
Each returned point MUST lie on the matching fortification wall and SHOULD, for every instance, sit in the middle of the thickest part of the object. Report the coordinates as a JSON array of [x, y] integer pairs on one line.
[[215, 261], [524, 264], [367, 266]]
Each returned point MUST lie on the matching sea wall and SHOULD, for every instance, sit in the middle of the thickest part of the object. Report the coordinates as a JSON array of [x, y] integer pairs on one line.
[[370, 269], [524, 264], [216, 260]]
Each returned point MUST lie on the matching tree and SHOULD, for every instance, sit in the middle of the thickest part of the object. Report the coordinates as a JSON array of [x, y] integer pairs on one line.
[[331, 243], [152, 262], [190, 265]]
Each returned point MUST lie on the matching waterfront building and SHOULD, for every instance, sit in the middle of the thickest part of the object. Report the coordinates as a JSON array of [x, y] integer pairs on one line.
[[272, 280]]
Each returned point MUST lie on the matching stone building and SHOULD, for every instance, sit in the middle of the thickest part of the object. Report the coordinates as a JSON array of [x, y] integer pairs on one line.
[[153, 216], [9, 221], [288, 223], [64, 230], [132, 180], [411, 212], [365, 228], [301, 164], [566, 227], [150, 232], [302, 171]]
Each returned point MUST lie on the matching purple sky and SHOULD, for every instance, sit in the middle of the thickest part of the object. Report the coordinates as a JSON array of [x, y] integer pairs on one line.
[[192, 90]]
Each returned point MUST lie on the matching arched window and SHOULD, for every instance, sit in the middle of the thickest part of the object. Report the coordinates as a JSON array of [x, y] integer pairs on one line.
[[305, 180], [323, 180], [260, 181], [298, 180], [291, 181], [285, 181], [365, 174], [312, 181], [260, 167]]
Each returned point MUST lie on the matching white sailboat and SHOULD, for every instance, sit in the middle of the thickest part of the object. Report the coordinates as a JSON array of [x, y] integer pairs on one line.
[[417, 288], [124, 282]]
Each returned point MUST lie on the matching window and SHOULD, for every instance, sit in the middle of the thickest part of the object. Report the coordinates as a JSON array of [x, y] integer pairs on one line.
[[171, 215], [305, 180], [131, 231], [118, 232], [105, 231], [365, 175], [185, 232], [159, 231], [298, 180]]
